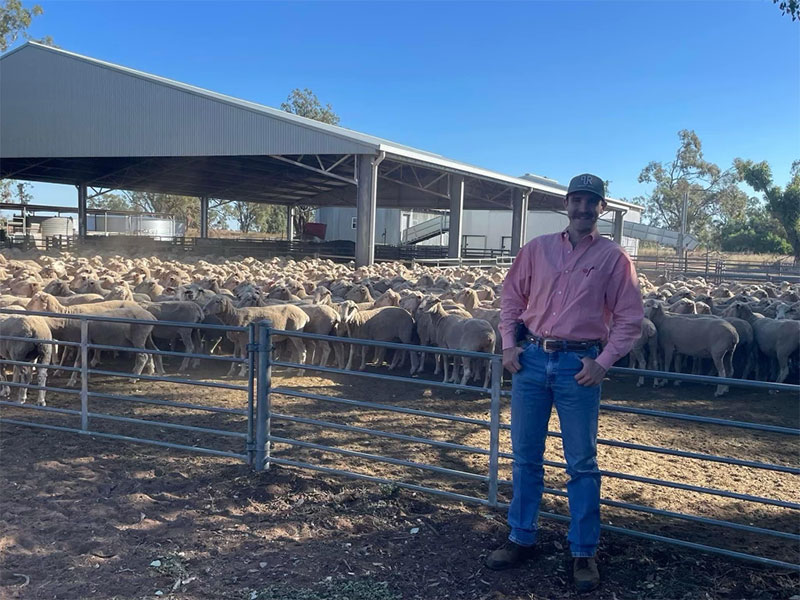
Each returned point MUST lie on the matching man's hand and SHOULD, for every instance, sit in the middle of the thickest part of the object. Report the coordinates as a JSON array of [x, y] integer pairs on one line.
[[591, 373], [511, 359]]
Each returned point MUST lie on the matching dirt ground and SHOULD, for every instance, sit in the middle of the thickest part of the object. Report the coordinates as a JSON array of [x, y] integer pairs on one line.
[[87, 517]]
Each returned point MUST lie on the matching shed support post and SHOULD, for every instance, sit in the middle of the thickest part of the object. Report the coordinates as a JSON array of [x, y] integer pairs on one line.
[[82, 220], [519, 219], [204, 217], [290, 223], [618, 222], [456, 215], [366, 207]]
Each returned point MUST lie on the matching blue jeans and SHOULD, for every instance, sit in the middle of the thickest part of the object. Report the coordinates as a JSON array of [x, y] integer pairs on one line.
[[546, 379]]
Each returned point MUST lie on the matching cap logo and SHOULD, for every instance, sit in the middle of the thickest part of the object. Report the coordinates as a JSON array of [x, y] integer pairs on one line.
[[586, 180]]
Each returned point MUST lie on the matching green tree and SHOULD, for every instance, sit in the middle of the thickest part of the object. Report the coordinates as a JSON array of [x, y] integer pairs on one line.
[[253, 216], [758, 231], [12, 190], [14, 22], [306, 104], [109, 201], [789, 7], [782, 203], [714, 196]]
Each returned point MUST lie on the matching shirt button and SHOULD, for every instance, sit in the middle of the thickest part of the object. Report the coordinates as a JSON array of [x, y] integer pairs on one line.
[[559, 293], [554, 314], [567, 271]]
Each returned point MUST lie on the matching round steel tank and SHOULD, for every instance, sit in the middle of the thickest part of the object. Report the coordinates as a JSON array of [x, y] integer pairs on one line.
[[57, 226]]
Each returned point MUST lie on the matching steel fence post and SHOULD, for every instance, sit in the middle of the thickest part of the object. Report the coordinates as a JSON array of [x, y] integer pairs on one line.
[[262, 399], [251, 377], [494, 429], [84, 375]]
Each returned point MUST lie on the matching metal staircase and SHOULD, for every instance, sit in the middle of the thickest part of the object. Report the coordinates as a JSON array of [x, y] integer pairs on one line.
[[640, 231], [425, 230]]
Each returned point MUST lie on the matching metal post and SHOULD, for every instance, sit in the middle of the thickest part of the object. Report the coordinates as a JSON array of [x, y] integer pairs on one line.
[[204, 217], [262, 400], [84, 375], [82, 220], [456, 215], [290, 223], [619, 223], [519, 207], [682, 238], [494, 429], [251, 376], [366, 207]]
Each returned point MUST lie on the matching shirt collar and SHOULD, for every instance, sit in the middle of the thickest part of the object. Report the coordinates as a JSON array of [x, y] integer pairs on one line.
[[592, 236]]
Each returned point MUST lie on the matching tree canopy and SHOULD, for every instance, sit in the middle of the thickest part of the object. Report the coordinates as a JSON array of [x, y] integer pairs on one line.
[[782, 203], [789, 8], [714, 196], [305, 103], [14, 22]]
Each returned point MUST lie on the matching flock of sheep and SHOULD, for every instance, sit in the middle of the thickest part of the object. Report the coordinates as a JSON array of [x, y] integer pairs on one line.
[[747, 331]]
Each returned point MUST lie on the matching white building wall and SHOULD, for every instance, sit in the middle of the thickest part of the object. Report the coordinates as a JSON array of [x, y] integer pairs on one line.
[[483, 228], [341, 224]]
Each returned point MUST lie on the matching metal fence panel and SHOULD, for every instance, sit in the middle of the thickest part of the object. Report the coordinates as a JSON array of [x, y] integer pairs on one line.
[[259, 414]]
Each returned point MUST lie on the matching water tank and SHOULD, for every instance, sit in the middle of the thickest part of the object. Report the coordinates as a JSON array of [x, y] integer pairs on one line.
[[57, 226]]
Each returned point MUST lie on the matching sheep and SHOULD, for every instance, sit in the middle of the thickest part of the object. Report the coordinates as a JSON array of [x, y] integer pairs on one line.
[[149, 287], [359, 294], [460, 333], [322, 320], [6, 301], [102, 332], [700, 336], [470, 299], [286, 317], [177, 311], [648, 339], [776, 338], [33, 328], [57, 287], [386, 324]]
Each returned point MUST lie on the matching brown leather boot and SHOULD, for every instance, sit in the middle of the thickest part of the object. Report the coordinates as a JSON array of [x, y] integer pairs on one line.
[[508, 556], [585, 574]]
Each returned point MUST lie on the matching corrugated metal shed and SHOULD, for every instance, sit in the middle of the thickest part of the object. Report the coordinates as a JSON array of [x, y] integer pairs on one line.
[[67, 118]]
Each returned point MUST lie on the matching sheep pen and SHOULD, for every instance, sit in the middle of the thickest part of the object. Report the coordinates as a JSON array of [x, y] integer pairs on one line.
[[78, 511]]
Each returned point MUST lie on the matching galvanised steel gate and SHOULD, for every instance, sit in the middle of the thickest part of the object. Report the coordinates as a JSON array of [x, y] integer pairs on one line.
[[257, 436]]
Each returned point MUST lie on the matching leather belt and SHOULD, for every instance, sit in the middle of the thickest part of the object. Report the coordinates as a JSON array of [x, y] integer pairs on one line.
[[549, 345]]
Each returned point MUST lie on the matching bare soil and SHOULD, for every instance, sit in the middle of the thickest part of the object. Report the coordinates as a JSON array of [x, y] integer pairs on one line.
[[86, 517]]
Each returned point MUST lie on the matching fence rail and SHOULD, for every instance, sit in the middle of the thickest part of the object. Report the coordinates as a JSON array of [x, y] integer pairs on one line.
[[257, 442]]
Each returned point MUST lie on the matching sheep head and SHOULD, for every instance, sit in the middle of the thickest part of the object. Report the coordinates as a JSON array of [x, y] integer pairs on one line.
[[43, 302], [348, 311], [217, 305]]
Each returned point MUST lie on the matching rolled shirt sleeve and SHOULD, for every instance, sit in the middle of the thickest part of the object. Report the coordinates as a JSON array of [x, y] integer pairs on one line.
[[515, 294], [624, 301]]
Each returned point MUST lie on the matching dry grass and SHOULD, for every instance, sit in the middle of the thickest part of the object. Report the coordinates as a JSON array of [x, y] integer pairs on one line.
[[648, 250]]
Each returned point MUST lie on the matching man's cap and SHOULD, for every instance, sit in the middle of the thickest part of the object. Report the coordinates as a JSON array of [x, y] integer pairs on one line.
[[587, 183]]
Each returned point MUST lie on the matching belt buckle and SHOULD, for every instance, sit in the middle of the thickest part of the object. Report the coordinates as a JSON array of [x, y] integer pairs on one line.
[[545, 347]]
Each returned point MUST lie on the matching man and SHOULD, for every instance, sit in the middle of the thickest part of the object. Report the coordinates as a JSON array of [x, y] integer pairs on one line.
[[566, 294]]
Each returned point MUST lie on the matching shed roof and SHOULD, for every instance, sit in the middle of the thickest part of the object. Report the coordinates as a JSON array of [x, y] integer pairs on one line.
[[68, 118]]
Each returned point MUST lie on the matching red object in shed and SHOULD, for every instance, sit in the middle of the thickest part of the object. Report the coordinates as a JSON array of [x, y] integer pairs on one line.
[[315, 229]]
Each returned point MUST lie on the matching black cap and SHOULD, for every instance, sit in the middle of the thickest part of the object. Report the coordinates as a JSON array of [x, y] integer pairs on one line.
[[587, 183]]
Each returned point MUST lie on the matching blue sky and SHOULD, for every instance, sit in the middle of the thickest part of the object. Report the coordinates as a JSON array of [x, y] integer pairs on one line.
[[553, 88]]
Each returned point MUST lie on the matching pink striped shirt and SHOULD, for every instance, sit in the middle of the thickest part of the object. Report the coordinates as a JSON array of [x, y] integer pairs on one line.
[[587, 293]]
